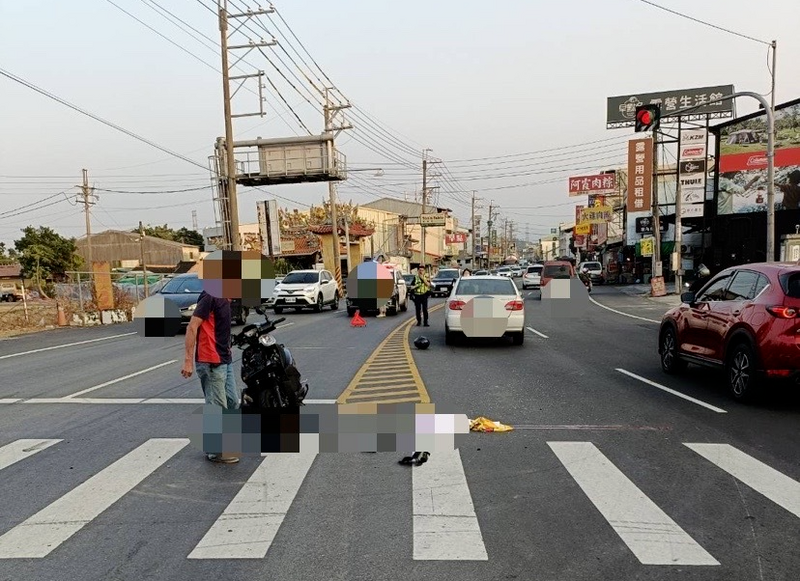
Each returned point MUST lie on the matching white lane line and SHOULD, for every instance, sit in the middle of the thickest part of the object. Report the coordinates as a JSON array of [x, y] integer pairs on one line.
[[66, 345], [445, 525], [532, 330], [21, 449], [764, 479], [282, 325], [7, 400], [131, 400], [249, 524], [623, 314], [653, 537], [45, 531], [673, 392], [113, 381]]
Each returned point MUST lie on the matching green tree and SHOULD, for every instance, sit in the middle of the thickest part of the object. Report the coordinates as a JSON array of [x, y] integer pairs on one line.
[[7, 255], [43, 253], [182, 235]]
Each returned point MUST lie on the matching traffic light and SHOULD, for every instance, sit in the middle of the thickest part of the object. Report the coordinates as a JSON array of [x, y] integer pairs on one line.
[[648, 117]]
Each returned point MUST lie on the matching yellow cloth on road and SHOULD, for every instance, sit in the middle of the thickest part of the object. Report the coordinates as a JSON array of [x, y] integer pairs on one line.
[[482, 424]]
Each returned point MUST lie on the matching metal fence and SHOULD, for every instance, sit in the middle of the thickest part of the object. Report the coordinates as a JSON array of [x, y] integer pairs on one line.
[[79, 289]]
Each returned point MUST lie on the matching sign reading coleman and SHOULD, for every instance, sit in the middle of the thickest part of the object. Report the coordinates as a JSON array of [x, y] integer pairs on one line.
[[640, 175], [621, 110], [692, 166], [432, 219], [596, 184]]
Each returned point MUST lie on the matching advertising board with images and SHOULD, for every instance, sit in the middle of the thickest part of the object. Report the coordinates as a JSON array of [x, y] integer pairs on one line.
[[742, 165]]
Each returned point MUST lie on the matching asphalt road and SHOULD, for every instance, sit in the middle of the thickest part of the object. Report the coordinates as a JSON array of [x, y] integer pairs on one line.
[[606, 476]]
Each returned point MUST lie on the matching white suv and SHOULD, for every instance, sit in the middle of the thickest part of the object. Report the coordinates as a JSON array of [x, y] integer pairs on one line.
[[305, 289]]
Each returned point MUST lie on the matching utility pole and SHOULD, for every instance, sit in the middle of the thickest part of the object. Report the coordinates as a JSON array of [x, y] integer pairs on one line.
[[194, 220], [141, 251], [771, 170], [511, 237], [329, 112], [473, 229], [230, 162], [656, 268], [489, 236], [424, 198], [88, 193]]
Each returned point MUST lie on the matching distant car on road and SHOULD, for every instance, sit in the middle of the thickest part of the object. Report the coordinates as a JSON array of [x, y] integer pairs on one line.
[[501, 315], [303, 289], [516, 271], [532, 277], [185, 289], [745, 321], [480, 273], [442, 283], [504, 271], [594, 270]]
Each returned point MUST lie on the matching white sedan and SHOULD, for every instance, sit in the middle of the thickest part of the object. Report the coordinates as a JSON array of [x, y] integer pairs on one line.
[[485, 307]]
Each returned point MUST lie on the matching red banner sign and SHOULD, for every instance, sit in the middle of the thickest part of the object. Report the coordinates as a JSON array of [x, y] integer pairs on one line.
[[458, 238], [640, 174], [605, 183]]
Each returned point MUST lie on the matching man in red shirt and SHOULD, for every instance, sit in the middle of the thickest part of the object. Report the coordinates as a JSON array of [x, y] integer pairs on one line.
[[208, 348]]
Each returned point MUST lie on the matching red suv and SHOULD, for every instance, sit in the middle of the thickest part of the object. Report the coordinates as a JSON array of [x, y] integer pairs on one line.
[[744, 320]]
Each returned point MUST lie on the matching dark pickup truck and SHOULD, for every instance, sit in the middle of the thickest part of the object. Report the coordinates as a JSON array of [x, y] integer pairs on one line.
[[442, 284]]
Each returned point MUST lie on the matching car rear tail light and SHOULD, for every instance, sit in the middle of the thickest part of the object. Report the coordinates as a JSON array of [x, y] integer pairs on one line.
[[783, 312], [456, 305], [515, 306], [779, 372]]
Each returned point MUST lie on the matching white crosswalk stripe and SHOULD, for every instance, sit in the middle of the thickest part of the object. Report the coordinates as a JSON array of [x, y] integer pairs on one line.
[[46, 530], [650, 534], [445, 525], [765, 480]]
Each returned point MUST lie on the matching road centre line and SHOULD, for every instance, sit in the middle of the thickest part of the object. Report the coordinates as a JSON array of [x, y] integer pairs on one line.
[[21, 449], [66, 345], [652, 536], [446, 527], [45, 531], [113, 381], [623, 314], [250, 523], [532, 330], [764, 479], [673, 392]]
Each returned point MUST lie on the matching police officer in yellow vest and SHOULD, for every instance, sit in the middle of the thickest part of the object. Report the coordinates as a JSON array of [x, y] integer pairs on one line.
[[422, 290]]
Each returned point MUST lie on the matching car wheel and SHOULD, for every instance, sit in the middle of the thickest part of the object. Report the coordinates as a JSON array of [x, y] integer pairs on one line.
[[243, 314], [392, 309], [351, 311], [519, 338], [741, 372], [278, 310], [670, 361], [404, 306], [449, 337], [335, 304], [318, 306]]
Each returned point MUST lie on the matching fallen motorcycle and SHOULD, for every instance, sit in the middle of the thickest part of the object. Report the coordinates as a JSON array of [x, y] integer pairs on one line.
[[269, 372]]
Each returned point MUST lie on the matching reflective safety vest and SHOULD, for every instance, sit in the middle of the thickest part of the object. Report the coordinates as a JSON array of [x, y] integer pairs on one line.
[[420, 287]]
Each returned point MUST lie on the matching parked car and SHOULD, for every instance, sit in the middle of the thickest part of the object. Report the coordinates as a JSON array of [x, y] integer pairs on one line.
[[532, 277], [744, 321], [397, 303], [594, 270], [442, 283], [304, 289], [504, 271], [185, 289], [10, 292], [507, 314]]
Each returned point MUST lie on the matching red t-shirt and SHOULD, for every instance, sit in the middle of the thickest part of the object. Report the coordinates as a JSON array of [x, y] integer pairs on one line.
[[214, 334]]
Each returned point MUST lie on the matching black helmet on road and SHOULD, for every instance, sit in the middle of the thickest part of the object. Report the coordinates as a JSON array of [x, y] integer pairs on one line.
[[422, 343]]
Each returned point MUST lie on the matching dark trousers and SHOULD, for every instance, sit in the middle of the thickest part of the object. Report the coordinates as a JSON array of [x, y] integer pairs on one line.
[[421, 304]]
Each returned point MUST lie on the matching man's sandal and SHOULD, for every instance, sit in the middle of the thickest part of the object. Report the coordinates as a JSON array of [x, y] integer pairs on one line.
[[222, 459]]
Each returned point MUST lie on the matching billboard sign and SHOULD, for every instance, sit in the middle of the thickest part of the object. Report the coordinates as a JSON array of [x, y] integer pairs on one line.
[[457, 238], [582, 229], [597, 215], [621, 110], [646, 225], [269, 227], [640, 175], [596, 184], [742, 164], [432, 219], [692, 175]]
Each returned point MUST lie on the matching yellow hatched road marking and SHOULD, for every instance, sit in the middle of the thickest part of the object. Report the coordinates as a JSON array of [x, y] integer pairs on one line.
[[391, 369]]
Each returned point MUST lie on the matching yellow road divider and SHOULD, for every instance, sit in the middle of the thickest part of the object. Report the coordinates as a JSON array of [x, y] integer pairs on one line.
[[389, 375]]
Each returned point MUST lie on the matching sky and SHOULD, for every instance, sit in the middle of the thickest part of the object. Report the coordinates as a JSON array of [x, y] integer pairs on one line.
[[509, 95]]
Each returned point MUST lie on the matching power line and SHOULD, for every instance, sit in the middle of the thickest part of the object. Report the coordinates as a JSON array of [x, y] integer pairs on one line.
[[682, 15], [155, 192]]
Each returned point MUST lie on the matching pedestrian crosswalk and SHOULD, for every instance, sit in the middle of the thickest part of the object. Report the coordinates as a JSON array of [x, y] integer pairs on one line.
[[445, 520]]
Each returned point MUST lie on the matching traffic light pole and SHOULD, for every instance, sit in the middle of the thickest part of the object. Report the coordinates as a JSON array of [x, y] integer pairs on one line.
[[656, 265]]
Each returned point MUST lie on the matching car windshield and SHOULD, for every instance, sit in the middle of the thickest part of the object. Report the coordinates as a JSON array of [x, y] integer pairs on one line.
[[791, 284], [535, 269], [301, 278], [503, 269], [556, 271], [592, 265], [447, 274], [190, 284], [486, 286]]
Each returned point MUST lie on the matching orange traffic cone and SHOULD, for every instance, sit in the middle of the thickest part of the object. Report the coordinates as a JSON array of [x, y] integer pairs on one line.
[[357, 320], [62, 317]]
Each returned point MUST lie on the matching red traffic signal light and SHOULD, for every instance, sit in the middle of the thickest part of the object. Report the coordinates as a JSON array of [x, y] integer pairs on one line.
[[647, 117]]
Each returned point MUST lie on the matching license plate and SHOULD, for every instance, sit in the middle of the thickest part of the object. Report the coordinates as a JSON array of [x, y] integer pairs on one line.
[[291, 300]]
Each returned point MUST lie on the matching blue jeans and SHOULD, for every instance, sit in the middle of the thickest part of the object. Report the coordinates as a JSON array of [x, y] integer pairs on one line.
[[219, 385]]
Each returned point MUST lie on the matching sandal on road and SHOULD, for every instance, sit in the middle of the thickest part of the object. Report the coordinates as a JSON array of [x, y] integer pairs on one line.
[[222, 459]]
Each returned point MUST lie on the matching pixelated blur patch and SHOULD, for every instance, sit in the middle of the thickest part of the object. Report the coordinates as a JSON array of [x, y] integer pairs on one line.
[[247, 275], [326, 428], [484, 316], [566, 298], [371, 283], [157, 316]]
